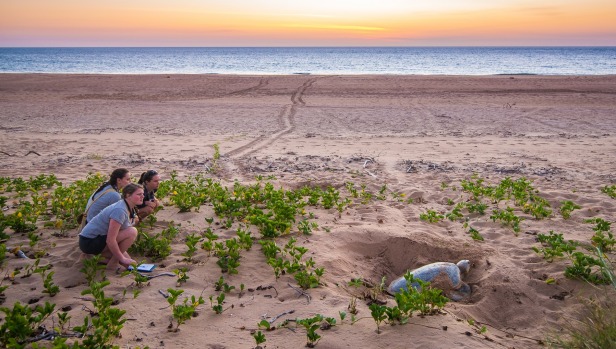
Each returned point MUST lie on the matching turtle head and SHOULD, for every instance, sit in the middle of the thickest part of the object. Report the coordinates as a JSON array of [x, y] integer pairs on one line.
[[464, 265]]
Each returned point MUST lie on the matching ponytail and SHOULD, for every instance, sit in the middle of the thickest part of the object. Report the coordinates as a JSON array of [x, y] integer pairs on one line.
[[113, 180], [147, 176]]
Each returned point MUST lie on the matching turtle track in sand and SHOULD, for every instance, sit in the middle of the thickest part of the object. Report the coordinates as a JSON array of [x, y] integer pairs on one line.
[[286, 117]]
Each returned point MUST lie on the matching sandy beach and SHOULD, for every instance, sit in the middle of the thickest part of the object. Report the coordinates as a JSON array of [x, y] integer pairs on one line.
[[421, 136]]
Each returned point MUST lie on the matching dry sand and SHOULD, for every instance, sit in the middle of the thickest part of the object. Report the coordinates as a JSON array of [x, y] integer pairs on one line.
[[409, 132]]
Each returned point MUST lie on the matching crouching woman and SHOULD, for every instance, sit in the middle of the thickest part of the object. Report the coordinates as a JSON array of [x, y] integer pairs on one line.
[[111, 232]]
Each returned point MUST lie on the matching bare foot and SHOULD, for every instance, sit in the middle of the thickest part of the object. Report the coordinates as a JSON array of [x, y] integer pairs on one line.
[[113, 267]]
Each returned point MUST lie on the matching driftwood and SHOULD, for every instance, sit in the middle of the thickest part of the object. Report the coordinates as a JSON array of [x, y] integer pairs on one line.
[[273, 319], [301, 292]]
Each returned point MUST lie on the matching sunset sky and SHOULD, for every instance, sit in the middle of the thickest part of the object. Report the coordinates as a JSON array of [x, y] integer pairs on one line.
[[50, 23]]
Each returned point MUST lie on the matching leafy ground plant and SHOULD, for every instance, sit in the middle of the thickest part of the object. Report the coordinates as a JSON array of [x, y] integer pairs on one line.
[[610, 190], [355, 283], [431, 216], [596, 327], [228, 254], [309, 279], [456, 213], [379, 314], [420, 297], [603, 238], [184, 311], [554, 245], [2, 255], [182, 274], [311, 325], [50, 288], [476, 207], [221, 285], [591, 268], [208, 244], [566, 207], [507, 218], [537, 208], [21, 323], [218, 307], [259, 338], [478, 328], [101, 330], [475, 235], [587, 268], [417, 297], [215, 158], [191, 242], [289, 260], [91, 269], [140, 279], [156, 246], [67, 203]]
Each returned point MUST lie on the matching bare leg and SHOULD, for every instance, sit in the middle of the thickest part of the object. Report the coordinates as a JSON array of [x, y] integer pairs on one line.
[[125, 239]]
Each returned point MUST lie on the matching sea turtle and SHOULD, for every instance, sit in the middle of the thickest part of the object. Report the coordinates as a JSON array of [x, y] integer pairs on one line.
[[441, 275]]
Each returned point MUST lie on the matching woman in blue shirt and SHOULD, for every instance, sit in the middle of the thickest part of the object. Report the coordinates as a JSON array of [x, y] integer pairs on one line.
[[111, 232], [108, 193]]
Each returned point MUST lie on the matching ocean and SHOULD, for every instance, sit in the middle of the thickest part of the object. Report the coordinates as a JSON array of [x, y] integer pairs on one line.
[[313, 60]]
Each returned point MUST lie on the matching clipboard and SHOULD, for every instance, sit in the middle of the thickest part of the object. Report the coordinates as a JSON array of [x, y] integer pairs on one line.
[[146, 268]]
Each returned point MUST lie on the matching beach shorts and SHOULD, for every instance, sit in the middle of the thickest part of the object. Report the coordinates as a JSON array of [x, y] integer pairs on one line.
[[92, 245]]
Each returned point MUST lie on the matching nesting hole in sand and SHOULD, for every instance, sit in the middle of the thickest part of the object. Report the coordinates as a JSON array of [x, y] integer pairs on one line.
[[394, 256]]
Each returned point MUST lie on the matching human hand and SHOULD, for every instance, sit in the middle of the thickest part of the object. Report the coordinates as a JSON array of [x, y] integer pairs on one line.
[[127, 261]]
